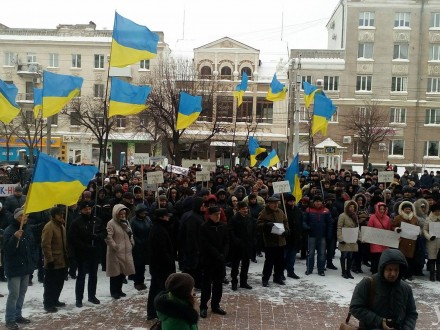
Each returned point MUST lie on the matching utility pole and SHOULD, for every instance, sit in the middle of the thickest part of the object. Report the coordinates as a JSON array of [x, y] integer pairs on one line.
[[294, 107]]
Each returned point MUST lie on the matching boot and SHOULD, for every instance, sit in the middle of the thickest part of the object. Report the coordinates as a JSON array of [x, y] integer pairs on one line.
[[348, 272], [330, 265], [431, 268], [344, 273], [437, 276]]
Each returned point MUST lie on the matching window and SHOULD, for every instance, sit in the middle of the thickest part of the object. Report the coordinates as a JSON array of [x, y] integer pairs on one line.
[[363, 115], [226, 73], [401, 19], [432, 116], [264, 111], [434, 52], [398, 115], [248, 72], [9, 59], [435, 20], [363, 83], [303, 114], [98, 90], [224, 108], [144, 64], [400, 52], [29, 117], [54, 120], [431, 148], [31, 57], [76, 60], [99, 120], [75, 118], [433, 85], [331, 83], [399, 84], [357, 147], [244, 114], [205, 72], [305, 78], [334, 118], [366, 18], [99, 61], [120, 121], [207, 106], [396, 147], [365, 50], [53, 60]]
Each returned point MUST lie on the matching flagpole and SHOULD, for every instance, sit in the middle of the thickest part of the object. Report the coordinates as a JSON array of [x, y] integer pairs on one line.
[[293, 141]]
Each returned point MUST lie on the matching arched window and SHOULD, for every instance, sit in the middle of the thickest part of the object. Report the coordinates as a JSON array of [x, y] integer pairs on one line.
[[248, 72], [205, 72], [226, 73]]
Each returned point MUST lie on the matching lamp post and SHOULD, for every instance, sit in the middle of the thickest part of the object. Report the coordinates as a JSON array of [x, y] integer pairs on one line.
[[294, 107]]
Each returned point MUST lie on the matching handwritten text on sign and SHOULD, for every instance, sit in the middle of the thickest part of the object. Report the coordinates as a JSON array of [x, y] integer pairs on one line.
[[203, 176], [155, 177], [280, 187]]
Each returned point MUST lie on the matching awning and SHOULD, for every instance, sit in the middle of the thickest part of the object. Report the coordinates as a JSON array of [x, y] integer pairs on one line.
[[222, 144]]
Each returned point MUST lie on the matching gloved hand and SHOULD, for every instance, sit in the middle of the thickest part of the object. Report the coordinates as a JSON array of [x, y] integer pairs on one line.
[[50, 265], [398, 230], [433, 238], [342, 242], [269, 225]]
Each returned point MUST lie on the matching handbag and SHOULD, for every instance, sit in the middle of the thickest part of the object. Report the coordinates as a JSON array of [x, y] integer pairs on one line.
[[157, 325], [347, 325]]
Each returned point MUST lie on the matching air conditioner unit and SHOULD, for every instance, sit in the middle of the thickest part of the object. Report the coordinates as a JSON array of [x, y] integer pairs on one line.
[[346, 139], [319, 82], [382, 146]]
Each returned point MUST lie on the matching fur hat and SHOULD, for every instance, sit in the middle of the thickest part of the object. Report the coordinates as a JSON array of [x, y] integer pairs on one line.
[[180, 285]]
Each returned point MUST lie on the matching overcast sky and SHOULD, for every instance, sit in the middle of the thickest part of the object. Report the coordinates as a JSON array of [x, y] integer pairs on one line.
[[255, 23]]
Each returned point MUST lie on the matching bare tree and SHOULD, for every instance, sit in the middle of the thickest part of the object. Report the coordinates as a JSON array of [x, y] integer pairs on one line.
[[170, 77], [368, 125], [7, 131]]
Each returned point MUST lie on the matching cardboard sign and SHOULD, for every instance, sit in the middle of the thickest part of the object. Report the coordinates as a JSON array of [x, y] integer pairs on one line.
[[147, 186], [203, 176], [7, 189], [141, 158], [155, 159], [155, 177], [385, 176], [380, 236], [177, 170], [350, 235], [280, 187]]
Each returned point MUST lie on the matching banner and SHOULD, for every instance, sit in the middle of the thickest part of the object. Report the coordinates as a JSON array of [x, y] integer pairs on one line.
[[177, 169], [380, 236]]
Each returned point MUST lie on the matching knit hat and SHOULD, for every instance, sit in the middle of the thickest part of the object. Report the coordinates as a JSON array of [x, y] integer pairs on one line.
[[18, 212], [180, 285]]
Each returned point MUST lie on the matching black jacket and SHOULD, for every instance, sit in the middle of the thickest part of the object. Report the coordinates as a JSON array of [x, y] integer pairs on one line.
[[213, 244], [161, 247], [85, 237], [242, 232], [295, 219], [141, 231]]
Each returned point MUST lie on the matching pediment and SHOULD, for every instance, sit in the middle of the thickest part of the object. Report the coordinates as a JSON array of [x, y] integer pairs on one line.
[[226, 43]]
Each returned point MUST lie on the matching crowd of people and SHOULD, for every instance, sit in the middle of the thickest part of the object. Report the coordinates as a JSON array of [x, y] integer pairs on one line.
[[211, 232]]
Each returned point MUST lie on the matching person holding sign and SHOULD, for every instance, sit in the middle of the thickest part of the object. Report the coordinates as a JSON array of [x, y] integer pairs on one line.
[[406, 245], [348, 219], [379, 220], [433, 243]]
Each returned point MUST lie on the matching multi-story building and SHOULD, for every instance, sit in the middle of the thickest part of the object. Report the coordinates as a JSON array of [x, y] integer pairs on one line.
[[386, 54]]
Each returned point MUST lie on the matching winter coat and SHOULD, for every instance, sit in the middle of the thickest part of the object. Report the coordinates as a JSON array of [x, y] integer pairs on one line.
[[266, 221], [393, 301], [295, 220], [214, 246], [241, 236], [318, 222], [141, 230], [161, 247], [20, 260], [345, 221], [119, 245], [54, 244], [432, 246], [407, 246], [421, 214], [13, 202], [381, 222], [426, 181], [175, 313]]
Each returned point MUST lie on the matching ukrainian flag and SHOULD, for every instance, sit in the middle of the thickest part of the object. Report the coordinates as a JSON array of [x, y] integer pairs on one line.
[[271, 159], [292, 175], [323, 110], [190, 108], [309, 93], [127, 99], [131, 42], [277, 90], [9, 109], [38, 101], [55, 182], [254, 150], [58, 90], [241, 88]]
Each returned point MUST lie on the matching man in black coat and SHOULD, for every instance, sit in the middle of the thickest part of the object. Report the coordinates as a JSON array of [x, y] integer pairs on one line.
[[241, 237], [294, 238], [162, 261], [85, 237], [213, 249]]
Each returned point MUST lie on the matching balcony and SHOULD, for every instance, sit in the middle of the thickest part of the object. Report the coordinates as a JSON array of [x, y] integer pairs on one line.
[[25, 98], [31, 69]]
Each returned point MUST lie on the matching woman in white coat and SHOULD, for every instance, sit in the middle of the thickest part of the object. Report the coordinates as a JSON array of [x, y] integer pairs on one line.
[[433, 244]]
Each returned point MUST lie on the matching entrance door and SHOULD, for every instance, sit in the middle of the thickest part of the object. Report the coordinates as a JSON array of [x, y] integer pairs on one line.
[[116, 152], [329, 161]]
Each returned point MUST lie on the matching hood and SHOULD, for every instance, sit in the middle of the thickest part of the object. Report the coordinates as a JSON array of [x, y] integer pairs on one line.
[[361, 196], [392, 256], [116, 209], [418, 207], [212, 197], [376, 209], [402, 205], [141, 207], [197, 203], [348, 203], [238, 188]]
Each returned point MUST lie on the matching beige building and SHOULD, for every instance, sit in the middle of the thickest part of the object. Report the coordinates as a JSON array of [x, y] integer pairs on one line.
[[387, 54]]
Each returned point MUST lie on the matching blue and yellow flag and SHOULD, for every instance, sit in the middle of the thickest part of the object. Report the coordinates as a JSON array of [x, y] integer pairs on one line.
[[271, 159], [292, 175], [127, 99], [241, 88], [55, 182], [277, 90], [131, 42], [309, 93], [38, 101], [9, 109], [58, 90], [323, 110], [254, 150], [190, 108]]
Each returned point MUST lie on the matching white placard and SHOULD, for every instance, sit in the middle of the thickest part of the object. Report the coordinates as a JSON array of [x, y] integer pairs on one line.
[[155, 177], [7, 189], [385, 176], [177, 169], [141, 158], [147, 186], [278, 229], [155, 159], [409, 231], [350, 235], [203, 176], [280, 187], [434, 229], [380, 236]]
